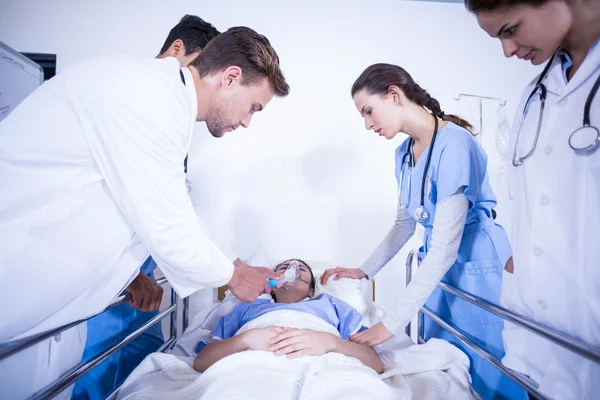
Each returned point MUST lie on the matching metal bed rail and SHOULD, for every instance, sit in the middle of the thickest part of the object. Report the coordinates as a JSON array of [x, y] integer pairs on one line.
[[78, 371], [568, 342], [9, 348]]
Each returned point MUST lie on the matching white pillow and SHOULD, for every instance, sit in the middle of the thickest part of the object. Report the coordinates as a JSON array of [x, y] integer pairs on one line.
[[358, 293]]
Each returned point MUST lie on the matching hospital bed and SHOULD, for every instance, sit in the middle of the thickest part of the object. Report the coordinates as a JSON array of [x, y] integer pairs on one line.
[[180, 307]]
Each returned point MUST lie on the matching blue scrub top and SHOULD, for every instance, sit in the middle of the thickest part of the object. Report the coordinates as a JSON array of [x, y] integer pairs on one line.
[[458, 161]]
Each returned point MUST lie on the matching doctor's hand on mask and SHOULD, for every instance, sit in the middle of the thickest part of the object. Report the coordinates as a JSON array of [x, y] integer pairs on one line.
[[341, 272], [373, 336], [144, 293], [248, 282]]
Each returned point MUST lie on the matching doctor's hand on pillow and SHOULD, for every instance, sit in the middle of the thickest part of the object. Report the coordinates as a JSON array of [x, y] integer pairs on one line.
[[249, 282], [373, 336], [341, 272], [144, 293]]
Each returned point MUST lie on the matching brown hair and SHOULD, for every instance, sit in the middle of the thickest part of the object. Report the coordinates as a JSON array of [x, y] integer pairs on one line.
[[244, 48], [378, 78], [476, 6]]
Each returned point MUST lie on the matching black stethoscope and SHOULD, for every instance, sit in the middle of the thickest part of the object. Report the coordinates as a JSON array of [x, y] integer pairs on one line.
[[584, 138], [421, 213], [188, 184]]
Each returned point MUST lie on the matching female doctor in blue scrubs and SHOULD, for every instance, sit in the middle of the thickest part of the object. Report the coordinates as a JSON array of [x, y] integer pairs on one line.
[[443, 185]]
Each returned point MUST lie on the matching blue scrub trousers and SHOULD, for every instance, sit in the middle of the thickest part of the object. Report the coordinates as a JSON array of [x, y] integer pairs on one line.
[[107, 329], [476, 273]]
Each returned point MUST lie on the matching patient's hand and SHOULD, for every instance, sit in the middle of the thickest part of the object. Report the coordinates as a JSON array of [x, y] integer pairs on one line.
[[260, 338], [303, 342], [306, 342]]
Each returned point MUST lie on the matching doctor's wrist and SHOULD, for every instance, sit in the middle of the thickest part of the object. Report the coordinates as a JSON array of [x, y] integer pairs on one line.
[[235, 279]]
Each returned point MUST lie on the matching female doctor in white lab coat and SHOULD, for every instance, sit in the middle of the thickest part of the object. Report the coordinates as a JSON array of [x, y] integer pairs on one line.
[[554, 179]]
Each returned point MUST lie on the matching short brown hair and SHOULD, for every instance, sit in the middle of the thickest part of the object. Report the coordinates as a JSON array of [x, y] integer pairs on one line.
[[244, 48], [476, 6]]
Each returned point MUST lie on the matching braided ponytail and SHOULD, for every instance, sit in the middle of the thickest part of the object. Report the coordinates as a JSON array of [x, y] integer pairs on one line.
[[434, 106], [379, 77]]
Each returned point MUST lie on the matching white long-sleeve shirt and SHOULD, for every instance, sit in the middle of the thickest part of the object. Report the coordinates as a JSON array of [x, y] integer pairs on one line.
[[448, 227], [92, 182]]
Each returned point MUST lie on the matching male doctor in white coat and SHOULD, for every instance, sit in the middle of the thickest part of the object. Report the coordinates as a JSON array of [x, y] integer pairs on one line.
[[91, 171]]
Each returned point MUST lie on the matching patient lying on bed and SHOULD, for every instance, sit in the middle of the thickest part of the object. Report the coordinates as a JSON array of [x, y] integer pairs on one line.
[[302, 354], [230, 337]]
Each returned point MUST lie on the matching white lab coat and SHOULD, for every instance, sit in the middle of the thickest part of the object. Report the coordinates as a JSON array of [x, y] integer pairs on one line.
[[92, 181], [556, 231]]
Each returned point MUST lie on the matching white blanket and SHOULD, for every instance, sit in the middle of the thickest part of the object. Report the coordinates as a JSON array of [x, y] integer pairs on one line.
[[436, 370]]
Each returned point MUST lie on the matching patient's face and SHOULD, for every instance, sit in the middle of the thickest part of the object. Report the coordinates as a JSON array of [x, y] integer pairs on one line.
[[293, 292]]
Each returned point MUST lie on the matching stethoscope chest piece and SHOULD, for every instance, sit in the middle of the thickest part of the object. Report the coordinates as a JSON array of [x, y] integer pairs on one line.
[[585, 138], [421, 214]]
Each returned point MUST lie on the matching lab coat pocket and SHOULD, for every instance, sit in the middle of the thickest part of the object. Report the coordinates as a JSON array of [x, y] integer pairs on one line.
[[506, 293], [66, 351], [509, 296]]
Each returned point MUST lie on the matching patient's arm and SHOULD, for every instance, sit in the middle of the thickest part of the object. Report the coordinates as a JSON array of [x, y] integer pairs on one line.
[[365, 354], [304, 342], [253, 339]]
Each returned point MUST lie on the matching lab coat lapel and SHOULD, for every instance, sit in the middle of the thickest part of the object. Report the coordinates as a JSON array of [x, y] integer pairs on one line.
[[554, 81], [193, 103], [587, 71]]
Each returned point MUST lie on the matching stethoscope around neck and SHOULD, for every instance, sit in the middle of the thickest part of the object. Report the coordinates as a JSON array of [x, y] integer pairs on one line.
[[421, 213], [585, 138], [188, 184]]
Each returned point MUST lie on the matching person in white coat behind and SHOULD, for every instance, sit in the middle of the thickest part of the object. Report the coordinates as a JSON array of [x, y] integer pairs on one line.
[[554, 178], [92, 177]]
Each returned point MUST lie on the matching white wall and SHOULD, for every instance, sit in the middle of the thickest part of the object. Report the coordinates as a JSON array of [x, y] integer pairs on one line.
[[305, 180]]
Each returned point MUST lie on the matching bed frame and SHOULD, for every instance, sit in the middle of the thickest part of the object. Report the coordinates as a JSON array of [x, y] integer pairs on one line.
[[568, 342], [70, 377], [181, 306]]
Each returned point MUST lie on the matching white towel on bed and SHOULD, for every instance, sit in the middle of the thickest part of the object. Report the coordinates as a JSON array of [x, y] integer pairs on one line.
[[436, 370]]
